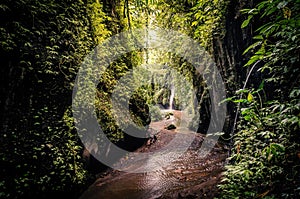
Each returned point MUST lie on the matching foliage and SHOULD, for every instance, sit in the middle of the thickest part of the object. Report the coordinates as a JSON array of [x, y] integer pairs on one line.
[[42, 44], [99, 19], [204, 21], [155, 113], [264, 162], [264, 156], [277, 43], [208, 18], [47, 159]]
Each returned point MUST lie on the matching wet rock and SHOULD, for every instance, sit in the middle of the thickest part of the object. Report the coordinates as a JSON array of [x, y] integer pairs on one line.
[[168, 115], [171, 127], [151, 140]]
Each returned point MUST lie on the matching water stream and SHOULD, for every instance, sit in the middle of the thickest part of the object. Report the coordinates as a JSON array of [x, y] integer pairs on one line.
[[172, 97], [188, 176]]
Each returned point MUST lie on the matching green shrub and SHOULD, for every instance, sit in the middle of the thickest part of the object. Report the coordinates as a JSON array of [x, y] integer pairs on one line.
[[264, 161]]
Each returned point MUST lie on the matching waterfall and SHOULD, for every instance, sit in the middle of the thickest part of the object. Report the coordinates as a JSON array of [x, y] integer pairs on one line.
[[172, 97]]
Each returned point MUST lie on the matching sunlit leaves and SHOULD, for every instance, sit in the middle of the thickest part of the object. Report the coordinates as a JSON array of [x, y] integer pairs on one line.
[[208, 20], [250, 97]]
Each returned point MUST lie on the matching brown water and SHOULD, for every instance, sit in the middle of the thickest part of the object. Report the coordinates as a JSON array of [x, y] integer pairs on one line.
[[189, 176]]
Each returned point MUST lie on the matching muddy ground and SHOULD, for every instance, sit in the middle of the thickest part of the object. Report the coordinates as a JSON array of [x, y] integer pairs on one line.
[[189, 176]]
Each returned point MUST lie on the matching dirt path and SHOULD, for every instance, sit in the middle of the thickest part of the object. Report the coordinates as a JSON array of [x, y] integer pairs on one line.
[[189, 176]]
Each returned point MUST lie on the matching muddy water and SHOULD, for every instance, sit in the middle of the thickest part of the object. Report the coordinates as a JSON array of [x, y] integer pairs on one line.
[[187, 176]]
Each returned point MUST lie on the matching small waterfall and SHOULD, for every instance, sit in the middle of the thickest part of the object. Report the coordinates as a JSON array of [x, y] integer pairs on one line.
[[172, 97]]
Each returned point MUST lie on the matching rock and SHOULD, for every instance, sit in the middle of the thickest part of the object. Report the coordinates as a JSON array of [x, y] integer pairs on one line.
[[170, 127], [168, 115], [151, 140]]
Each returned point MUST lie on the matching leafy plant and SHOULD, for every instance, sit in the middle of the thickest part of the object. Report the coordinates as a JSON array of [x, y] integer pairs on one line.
[[264, 157]]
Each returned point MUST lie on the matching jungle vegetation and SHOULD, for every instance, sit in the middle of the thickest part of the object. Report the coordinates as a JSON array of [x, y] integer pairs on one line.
[[255, 45]]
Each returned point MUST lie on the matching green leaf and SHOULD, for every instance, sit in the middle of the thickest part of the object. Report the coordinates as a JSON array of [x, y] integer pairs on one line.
[[250, 97], [259, 37], [253, 59], [194, 23], [242, 91], [252, 46], [277, 147], [247, 21], [240, 101]]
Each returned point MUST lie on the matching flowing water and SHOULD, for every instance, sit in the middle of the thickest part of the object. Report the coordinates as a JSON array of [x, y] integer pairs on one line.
[[172, 97], [189, 175]]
